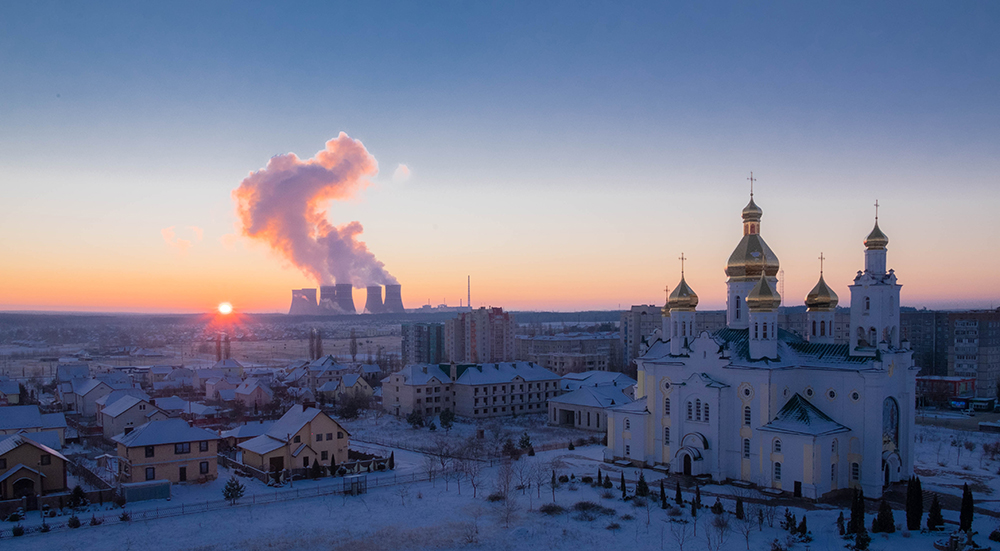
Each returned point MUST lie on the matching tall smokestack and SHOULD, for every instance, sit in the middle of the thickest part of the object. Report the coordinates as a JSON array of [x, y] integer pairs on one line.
[[393, 299], [225, 347], [327, 298], [312, 344], [218, 347], [345, 297], [303, 302], [374, 302]]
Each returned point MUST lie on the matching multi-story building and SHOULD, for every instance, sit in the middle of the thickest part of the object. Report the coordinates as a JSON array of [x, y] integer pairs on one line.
[[586, 351], [974, 349], [927, 331], [562, 363], [637, 325], [483, 335], [422, 343], [475, 391]]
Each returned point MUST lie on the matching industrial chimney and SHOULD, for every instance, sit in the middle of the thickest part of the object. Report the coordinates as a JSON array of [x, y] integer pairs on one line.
[[393, 299], [345, 297], [327, 298], [374, 303]]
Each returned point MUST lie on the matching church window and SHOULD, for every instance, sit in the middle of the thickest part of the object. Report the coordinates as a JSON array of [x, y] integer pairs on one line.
[[747, 416], [666, 406], [706, 412], [737, 307], [833, 446], [765, 331], [689, 411], [756, 329], [868, 304], [777, 471], [776, 446], [697, 410], [831, 394], [746, 448], [833, 471], [855, 471], [628, 424], [814, 328], [628, 450], [822, 328], [666, 435], [872, 335]]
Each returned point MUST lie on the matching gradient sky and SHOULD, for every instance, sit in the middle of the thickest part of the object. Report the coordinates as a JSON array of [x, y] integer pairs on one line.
[[562, 156]]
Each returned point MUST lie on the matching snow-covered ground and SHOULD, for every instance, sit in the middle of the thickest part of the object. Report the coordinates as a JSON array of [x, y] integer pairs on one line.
[[944, 464], [442, 515]]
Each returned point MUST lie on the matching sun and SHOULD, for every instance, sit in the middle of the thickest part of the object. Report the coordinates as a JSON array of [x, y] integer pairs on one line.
[[225, 308]]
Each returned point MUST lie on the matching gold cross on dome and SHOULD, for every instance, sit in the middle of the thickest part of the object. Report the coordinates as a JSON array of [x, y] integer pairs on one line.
[[876, 210], [821, 259], [682, 264], [752, 180]]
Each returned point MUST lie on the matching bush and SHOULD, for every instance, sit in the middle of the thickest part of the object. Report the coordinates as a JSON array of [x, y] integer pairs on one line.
[[17, 530], [74, 522], [995, 535], [551, 509], [563, 479], [531, 451], [45, 527], [717, 507], [607, 494], [94, 521], [120, 501], [592, 508], [675, 512], [614, 526], [77, 498], [638, 502], [14, 517], [571, 446], [627, 516], [495, 497], [125, 516], [587, 480]]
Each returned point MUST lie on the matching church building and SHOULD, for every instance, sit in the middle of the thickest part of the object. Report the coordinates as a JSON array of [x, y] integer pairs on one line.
[[757, 403]]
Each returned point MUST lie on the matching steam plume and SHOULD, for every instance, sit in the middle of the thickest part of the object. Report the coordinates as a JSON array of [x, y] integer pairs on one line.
[[285, 204]]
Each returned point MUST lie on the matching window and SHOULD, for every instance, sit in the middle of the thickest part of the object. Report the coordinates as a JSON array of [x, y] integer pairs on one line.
[[3, 462], [764, 333], [746, 448], [697, 410], [324, 455], [855, 471], [777, 471], [183, 447], [756, 330], [340, 435], [814, 328], [150, 473], [666, 406], [297, 439], [203, 467], [45, 459], [150, 451], [822, 328], [329, 436], [203, 446], [868, 304], [747, 415], [706, 412], [628, 450], [737, 307], [319, 437], [833, 471], [666, 435], [689, 411], [776, 446], [833, 446], [628, 424]]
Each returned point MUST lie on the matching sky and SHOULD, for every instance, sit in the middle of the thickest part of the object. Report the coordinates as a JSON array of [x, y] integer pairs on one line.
[[563, 155]]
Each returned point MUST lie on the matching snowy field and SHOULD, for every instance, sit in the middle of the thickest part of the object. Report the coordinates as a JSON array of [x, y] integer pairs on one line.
[[946, 459], [443, 514]]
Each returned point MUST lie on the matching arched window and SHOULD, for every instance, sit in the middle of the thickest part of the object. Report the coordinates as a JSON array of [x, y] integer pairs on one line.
[[822, 328], [628, 424], [666, 435], [776, 446], [697, 410], [777, 471], [868, 304], [746, 448], [756, 329], [833, 446], [689, 411], [706, 412], [861, 336], [833, 471], [872, 335], [737, 307], [855, 471], [764, 336], [747, 416], [814, 328], [666, 406]]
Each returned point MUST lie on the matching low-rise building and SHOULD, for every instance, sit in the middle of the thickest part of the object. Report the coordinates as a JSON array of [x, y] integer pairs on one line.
[[301, 436], [127, 413], [167, 450], [941, 390], [215, 384], [30, 419], [586, 407], [10, 392], [253, 394], [29, 468]]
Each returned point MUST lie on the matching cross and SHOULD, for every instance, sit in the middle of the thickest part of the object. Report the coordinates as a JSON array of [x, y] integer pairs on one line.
[[752, 180], [682, 264], [821, 259], [876, 210], [666, 291]]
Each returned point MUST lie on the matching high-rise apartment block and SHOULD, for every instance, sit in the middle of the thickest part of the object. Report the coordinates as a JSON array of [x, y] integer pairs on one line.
[[423, 343], [956, 344], [480, 336]]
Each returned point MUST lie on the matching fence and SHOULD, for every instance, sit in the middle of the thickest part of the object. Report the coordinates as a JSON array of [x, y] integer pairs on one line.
[[59, 524]]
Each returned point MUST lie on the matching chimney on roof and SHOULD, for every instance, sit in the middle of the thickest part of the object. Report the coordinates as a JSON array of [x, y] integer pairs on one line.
[[453, 371]]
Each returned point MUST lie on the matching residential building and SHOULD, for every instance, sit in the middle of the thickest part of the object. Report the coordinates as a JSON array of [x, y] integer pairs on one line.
[[571, 352], [928, 332], [170, 449], [29, 468], [637, 326], [422, 343], [30, 419], [574, 381], [216, 384], [253, 394], [301, 436], [974, 349], [586, 407], [127, 413], [10, 392], [480, 336], [244, 432]]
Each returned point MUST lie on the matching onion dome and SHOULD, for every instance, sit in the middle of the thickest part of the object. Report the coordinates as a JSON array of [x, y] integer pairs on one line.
[[876, 239], [762, 297], [683, 298], [821, 298], [751, 258], [751, 212]]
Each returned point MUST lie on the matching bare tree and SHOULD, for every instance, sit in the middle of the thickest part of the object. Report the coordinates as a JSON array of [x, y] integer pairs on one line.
[[745, 525], [431, 467], [681, 532], [452, 470], [503, 487], [770, 511], [717, 532], [473, 470], [522, 470], [539, 475], [403, 491]]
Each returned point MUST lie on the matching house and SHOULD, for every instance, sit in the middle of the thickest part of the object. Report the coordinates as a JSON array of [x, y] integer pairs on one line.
[[253, 394], [353, 384], [170, 449], [215, 384], [83, 394], [126, 413], [175, 406], [29, 419], [371, 373], [301, 436], [68, 372], [229, 367], [245, 432], [159, 373], [324, 370], [115, 395], [29, 468], [587, 407], [328, 392], [10, 392], [573, 381]]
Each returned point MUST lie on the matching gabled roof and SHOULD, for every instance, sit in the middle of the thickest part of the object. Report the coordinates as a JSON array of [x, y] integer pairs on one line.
[[799, 416], [573, 381], [122, 405], [82, 387], [421, 374], [504, 372], [65, 372], [115, 395], [250, 385], [228, 363], [262, 444], [371, 368], [329, 386], [637, 406], [20, 417], [167, 431], [350, 380], [293, 420], [227, 394], [11, 472], [593, 396], [17, 440], [9, 387], [248, 430]]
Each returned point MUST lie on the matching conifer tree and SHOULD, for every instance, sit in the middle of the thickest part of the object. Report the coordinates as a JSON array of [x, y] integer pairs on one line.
[[600, 479], [315, 471], [934, 518], [862, 539], [697, 496], [883, 521], [840, 524], [914, 504], [663, 495], [678, 499], [607, 482], [739, 508], [641, 488], [857, 522], [233, 490], [803, 528], [392, 461], [622, 487], [965, 514]]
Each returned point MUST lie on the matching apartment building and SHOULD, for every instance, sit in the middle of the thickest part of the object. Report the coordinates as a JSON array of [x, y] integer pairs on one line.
[[483, 335]]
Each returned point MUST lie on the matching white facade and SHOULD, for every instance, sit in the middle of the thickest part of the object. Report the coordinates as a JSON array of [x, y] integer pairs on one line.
[[776, 410]]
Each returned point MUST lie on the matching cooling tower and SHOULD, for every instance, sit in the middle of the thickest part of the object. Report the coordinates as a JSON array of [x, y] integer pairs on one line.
[[303, 302], [327, 298], [374, 303], [345, 297], [393, 299]]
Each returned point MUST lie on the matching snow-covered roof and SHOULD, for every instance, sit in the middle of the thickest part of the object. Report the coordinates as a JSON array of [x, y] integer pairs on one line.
[[27, 417], [121, 405], [573, 381], [9, 387], [167, 431], [228, 363], [327, 363], [593, 396], [262, 444], [371, 368], [350, 380], [172, 403], [20, 439], [82, 387], [575, 336], [637, 406], [799, 416], [115, 395], [48, 438], [66, 372], [227, 394], [55, 420], [161, 369], [504, 372], [422, 374], [329, 386], [248, 430], [250, 385]]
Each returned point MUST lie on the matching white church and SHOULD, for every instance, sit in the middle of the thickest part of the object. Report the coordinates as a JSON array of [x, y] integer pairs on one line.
[[756, 403]]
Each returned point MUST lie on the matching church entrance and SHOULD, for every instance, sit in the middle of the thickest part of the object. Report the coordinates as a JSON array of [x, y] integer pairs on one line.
[[687, 465]]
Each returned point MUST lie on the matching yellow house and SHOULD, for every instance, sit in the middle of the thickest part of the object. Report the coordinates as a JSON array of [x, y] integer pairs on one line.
[[28, 468], [170, 449], [301, 436]]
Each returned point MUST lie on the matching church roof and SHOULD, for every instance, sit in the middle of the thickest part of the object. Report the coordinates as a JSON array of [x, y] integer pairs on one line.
[[793, 351], [799, 416]]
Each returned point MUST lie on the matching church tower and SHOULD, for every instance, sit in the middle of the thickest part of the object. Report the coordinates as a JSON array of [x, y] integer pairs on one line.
[[751, 259], [874, 299], [763, 302], [821, 305], [681, 305]]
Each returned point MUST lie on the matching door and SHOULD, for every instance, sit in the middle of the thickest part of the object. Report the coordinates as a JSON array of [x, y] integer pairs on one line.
[[798, 489], [183, 474], [687, 465], [24, 487]]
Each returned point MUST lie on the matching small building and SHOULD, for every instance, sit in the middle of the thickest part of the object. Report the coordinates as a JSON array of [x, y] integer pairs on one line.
[[170, 449], [127, 413], [30, 419], [10, 392], [586, 407], [941, 390], [244, 432], [29, 468], [301, 436], [215, 384], [115, 395], [573, 381], [229, 367], [253, 394]]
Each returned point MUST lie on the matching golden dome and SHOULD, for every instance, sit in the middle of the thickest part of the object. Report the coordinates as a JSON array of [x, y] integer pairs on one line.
[[752, 211], [683, 298], [763, 297], [751, 258], [876, 239], [821, 298]]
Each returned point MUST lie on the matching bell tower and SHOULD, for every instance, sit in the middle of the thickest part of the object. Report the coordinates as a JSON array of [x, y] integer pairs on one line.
[[874, 299]]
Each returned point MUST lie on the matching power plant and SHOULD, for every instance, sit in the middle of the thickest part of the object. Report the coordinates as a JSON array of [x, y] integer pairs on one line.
[[339, 299]]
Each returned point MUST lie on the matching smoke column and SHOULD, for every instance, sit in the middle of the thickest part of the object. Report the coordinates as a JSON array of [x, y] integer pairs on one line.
[[285, 204]]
